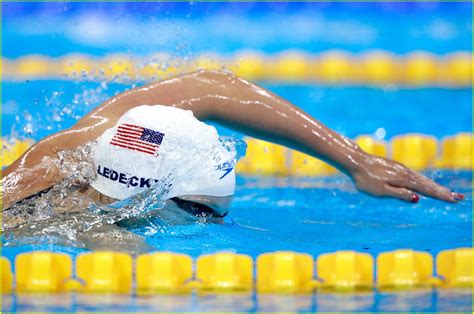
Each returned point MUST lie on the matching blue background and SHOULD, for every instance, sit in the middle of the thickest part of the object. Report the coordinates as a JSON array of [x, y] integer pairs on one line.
[[307, 215]]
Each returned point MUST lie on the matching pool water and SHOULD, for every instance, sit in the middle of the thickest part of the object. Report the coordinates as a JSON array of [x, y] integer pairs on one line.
[[310, 215], [401, 301], [305, 215]]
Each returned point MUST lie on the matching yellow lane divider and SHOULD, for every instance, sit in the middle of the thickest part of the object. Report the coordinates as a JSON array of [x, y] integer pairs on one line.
[[13, 149], [105, 272], [7, 276], [284, 271], [380, 68], [417, 151], [402, 269], [163, 272], [223, 272], [42, 272], [455, 266], [456, 152], [278, 272], [263, 158], [346, 270]]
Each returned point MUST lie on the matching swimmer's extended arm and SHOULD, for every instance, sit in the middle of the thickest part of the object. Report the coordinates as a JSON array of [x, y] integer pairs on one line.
[[232, 101], [253, 110]]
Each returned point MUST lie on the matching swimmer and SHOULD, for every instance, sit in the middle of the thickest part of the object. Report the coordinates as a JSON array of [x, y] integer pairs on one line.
[[144, 135]]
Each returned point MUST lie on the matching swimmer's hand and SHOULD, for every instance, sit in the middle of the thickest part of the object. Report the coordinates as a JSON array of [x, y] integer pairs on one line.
[[386, 178]]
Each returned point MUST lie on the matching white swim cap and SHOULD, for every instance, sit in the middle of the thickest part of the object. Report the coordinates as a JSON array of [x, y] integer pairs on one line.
[[162, 145]]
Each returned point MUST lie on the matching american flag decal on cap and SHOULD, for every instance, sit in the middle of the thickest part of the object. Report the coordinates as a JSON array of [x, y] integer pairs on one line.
[[137, 138]]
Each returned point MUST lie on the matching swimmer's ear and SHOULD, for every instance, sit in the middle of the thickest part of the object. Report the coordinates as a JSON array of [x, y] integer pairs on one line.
[[401, 193]]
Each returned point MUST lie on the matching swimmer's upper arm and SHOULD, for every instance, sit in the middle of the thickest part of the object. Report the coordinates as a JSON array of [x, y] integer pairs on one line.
[[39, 167]]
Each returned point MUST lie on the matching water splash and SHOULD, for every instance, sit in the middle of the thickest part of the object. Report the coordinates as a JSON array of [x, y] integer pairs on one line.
[[67, 214]]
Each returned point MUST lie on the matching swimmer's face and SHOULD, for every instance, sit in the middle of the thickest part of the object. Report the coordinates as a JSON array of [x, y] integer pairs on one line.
[[183, 212], [218, 204], [192, 207]]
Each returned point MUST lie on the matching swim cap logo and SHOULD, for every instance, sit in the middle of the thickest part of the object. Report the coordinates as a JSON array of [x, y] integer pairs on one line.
[[227, 167], [137, 138]]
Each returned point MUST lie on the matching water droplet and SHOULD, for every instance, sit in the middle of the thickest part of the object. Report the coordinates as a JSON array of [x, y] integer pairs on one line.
[[380, 133]]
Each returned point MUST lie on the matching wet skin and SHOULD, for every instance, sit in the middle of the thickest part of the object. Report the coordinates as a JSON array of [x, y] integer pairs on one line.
[[236, 103]]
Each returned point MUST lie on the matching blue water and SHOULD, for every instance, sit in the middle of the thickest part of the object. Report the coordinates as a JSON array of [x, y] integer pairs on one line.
[[419, 301], [184, 29], [314, 216]]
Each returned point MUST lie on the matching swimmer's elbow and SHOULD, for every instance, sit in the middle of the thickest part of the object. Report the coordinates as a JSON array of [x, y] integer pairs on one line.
[[67, 139], [216, 75], [46, 148]]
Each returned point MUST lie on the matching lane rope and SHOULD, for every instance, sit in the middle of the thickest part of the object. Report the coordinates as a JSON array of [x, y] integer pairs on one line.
[[371, 68], [275, 272]]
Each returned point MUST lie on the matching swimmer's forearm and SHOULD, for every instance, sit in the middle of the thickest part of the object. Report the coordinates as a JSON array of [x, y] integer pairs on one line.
[[255, 111], [231, 101]]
